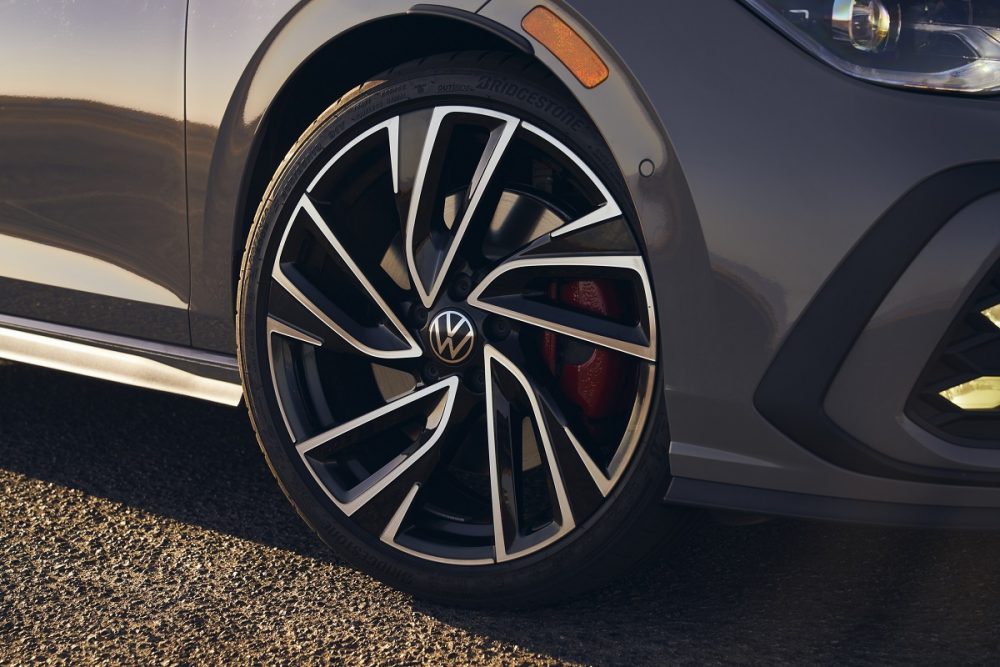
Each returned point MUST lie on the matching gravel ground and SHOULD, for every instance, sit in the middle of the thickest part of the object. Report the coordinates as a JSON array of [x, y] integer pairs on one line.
[[144, 528]]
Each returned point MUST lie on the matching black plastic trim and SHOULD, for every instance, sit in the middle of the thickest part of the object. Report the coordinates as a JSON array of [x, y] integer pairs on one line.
[[489, 25], [716, 495], [794, 388], [949, 365]]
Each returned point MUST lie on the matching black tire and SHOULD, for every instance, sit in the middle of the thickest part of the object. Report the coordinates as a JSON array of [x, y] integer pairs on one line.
[[630, 526]]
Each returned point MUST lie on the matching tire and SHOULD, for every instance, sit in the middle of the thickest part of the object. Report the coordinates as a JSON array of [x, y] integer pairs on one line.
[[311, 385]]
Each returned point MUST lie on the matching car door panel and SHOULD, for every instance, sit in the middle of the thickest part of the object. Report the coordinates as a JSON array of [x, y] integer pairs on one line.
[[92, 195]]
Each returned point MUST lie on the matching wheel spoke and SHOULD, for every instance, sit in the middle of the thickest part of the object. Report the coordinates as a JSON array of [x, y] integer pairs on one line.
[[586, 483], [393, 528], [277, 359], [508, 291], [606, 211], [386, 338], [431, 244], [277, 326], [390, 126], [411, 132], [383, 490], [290, 318], [511, 403]]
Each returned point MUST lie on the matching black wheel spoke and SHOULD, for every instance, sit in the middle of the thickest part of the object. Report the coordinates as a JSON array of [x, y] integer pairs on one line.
[[290, 318], [574, 454], [328, 454], [585, 482], [432, 236], [607, 210], [410, 133], [511, 290], [514, 417], [384, 338]]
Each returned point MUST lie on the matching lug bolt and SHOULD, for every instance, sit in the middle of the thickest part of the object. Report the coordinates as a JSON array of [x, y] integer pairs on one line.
[[461, 287], [497, 328], [476, 380], [418, 314], [431, 372]]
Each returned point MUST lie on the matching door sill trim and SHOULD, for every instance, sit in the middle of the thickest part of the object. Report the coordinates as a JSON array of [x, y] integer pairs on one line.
[[148, 364]]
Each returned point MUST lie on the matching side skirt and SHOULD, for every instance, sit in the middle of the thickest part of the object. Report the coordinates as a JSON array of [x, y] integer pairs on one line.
[[140, 363], [720, 496]]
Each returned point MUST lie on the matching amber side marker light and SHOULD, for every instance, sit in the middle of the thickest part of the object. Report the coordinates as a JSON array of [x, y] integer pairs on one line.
[[566, 45]]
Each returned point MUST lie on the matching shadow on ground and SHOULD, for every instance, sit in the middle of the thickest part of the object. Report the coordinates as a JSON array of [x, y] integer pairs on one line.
[[784, 592], [192, 461]]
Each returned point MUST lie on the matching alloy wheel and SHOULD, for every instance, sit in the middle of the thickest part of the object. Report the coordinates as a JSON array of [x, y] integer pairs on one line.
[[461, 335]]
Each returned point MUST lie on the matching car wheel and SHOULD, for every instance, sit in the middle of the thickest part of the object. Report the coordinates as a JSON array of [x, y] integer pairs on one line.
[[448, 338]]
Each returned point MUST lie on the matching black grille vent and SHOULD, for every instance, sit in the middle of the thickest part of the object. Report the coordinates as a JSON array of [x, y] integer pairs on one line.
[[970, 350]]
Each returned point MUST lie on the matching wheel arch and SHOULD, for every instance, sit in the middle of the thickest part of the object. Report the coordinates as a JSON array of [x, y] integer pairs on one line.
[[263, 119], [294, 75], [309, 90]]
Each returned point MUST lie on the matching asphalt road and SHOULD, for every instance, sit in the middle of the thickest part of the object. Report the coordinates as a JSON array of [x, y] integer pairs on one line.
[[143, 528]]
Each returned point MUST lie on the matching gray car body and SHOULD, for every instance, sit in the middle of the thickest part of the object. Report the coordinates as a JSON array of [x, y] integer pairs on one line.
[[131, 146]]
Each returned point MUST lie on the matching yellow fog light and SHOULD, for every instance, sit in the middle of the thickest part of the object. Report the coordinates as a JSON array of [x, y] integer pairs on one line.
[[979, 394], [993, 314]]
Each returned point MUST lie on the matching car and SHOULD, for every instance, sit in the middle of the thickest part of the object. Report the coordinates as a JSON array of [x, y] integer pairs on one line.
[[509, 287]]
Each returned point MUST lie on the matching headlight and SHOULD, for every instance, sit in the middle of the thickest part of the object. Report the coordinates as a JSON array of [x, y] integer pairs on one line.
[[949, 45]]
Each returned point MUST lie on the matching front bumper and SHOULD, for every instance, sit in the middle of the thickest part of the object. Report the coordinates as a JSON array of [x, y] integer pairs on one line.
[[837, 230]]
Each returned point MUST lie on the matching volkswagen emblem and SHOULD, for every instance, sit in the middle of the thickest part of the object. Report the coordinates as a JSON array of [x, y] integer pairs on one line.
[[452, 336]]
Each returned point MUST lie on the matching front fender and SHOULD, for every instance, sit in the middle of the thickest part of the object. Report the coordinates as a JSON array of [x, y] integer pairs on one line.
[[239, 57]]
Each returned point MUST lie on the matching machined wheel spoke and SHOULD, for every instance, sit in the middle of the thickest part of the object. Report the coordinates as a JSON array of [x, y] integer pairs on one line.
[[390, 127], [431, 243], [290, 318], [587, 484], [381, 492], [385, 338], [608, 210], [508, 290], [513, 415]]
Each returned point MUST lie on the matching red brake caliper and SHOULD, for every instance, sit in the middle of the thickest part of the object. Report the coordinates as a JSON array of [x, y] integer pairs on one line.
[[593, 383]]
